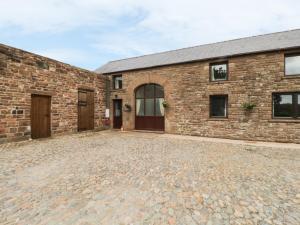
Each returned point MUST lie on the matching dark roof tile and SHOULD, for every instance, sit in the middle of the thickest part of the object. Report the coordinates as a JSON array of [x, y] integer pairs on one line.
[[261, 43]]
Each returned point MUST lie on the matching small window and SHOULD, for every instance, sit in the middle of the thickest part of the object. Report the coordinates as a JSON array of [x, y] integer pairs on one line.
[[82, 98], [219, 71], [292, 65], [218, 106], [286, 105], [117, 82]]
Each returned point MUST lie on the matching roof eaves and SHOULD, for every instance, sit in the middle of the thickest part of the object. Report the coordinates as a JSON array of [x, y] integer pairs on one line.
[[193, 61]]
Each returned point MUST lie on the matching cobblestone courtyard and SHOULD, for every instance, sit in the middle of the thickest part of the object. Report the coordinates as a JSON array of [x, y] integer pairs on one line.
[[144, 178]]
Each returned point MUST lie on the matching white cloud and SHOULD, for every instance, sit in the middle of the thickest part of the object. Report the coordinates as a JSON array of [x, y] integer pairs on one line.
[[190, 21], [59, 15], [163, 16], [164, 24]]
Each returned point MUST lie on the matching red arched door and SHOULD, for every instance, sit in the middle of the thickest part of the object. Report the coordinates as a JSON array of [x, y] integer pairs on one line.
[[149, 110]]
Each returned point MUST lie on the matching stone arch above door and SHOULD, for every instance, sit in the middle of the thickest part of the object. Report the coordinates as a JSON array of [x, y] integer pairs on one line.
[[134, 79]]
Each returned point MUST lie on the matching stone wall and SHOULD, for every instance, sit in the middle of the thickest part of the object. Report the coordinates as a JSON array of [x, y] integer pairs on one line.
[[187, 89], [23, 74]]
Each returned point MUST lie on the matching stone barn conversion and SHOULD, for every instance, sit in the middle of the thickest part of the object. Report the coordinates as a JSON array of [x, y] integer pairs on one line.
[[40, 97], [246, 88]]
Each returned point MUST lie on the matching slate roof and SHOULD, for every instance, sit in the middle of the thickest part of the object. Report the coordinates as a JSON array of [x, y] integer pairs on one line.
[[261, 43]]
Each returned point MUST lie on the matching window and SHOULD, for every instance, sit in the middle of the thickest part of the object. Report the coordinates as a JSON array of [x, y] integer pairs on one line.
[[149, 100], [219, 71], [82, 98], [218, 105], [286, 105], [292, 65], [117, 82]]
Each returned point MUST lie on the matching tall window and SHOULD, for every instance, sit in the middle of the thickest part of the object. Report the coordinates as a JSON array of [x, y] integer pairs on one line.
[[286, 105], [117, 82], [292, 65], [218, 106], [149, 99], [219, 71]]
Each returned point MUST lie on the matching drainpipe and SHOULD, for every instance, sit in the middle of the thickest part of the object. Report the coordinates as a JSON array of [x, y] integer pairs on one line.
[[107, 92], [107, 97]]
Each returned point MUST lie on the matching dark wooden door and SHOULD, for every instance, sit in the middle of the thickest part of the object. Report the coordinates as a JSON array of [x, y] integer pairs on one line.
[[117, 112], [149, 111], [40, 116], [154, 123], [85, 110]]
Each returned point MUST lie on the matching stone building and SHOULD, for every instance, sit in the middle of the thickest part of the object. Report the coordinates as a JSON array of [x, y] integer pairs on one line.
[[246, 88], [40, 97]]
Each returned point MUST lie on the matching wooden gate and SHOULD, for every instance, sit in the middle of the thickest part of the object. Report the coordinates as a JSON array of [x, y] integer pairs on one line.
[[40, 116], [85, 110]]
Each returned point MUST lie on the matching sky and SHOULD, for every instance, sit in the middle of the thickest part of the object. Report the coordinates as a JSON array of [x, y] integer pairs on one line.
[[89, 33]]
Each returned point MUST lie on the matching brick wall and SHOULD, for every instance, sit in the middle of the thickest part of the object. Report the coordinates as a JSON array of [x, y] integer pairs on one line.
[[187, 89], [23, 73]]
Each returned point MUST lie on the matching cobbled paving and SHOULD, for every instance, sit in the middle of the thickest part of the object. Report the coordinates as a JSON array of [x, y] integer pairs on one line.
[[144, 178]]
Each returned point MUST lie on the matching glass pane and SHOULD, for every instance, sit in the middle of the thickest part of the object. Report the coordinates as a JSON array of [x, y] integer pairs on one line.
[[149, 107], [292, 65], [140, 107], [149, 91], [117, 112], [118, 82], [140, 92], [219, 72], [82, 96], [159, 109], [218, 106], [283, 105], [117, 109], [159, 91]]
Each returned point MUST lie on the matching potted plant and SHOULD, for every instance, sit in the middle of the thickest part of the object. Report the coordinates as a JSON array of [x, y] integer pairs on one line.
[[127, 108], [248, 106], [165, 104]]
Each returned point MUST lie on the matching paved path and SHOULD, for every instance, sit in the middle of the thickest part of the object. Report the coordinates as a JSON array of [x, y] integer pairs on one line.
[[137, 178]]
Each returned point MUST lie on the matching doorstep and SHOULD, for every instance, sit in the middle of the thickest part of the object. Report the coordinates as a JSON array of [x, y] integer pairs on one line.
[[149, 131]]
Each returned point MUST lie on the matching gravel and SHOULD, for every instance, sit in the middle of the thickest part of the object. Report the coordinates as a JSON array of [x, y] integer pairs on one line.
[[114, 177]]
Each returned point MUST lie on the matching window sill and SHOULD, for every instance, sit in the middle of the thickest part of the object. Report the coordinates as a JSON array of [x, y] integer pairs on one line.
[[297, 76], [218, 119], [218, 81], [284, 120]]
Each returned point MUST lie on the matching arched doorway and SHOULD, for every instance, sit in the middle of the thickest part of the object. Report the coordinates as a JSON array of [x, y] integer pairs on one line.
[[149, 110]]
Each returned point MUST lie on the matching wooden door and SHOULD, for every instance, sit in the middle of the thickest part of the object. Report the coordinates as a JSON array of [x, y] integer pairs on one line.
[[117, 111], [40, 116], [85, 110]]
